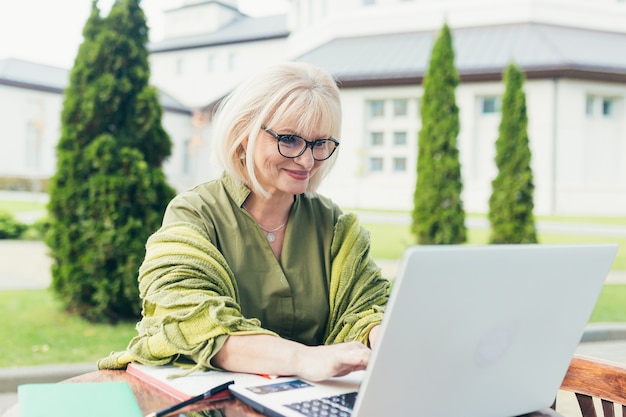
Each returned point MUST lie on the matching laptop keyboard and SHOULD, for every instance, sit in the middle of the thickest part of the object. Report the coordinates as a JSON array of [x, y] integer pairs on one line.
[[335, 406]]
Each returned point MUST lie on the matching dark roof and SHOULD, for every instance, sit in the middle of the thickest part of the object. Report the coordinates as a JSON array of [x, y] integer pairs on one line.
[[25, 74], [34, 76], [244, 29], [170, 103], [481, 53]]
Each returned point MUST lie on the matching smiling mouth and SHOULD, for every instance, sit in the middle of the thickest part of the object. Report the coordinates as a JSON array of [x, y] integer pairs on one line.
[[300, 175]]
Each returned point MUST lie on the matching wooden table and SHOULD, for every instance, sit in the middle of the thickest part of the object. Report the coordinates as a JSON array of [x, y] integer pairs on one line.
[[152, 399]]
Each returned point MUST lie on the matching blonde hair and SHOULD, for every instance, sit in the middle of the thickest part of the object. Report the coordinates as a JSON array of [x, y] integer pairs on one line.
[[301, 93]]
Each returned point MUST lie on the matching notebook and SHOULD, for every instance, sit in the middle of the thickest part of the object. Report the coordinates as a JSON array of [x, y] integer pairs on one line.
[[168, 379], [473, 331], [94, 399]]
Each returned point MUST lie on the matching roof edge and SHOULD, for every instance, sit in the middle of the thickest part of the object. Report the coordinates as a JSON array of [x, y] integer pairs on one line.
[[31, 86], [490, 74], [158, 50]]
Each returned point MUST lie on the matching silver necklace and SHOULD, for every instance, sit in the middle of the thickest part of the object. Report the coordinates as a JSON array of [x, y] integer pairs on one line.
[[269, 234]]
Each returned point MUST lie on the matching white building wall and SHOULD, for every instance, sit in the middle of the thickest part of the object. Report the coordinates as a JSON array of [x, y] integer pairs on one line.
[[476, 142], [347, 18], [571, 174], [351, 183], [30, 129], [585, 150], [591, 148], [575, 158], [198, 76], [190, 20], [542, 125], [179, 167]]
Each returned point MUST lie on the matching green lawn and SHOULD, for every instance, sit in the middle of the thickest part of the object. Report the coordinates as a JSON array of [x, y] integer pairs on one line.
[[15, 207], [390, 240], [610, 305], [37, 331]]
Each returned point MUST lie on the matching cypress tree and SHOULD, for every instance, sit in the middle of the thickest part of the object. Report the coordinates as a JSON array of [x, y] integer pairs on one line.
[[109, 190], [511, 201], [438, 216]]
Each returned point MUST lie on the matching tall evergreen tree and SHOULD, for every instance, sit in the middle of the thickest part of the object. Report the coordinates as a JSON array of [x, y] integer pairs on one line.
[[438, 214], [109, 190], [511, 201]]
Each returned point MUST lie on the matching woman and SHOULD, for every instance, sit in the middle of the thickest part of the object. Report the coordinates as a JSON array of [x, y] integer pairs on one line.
[[255, 272]]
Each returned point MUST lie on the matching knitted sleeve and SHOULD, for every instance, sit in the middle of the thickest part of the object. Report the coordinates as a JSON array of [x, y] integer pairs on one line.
[[189, 299], [358, 292]]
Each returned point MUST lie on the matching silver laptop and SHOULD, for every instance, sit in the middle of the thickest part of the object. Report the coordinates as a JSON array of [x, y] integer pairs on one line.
[[472, 331]]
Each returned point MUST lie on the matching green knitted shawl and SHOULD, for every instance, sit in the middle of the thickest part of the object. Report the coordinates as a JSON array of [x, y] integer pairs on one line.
[[190, 297]]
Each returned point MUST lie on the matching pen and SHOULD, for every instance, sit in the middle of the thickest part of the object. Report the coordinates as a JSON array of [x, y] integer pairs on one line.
[[212, 391]]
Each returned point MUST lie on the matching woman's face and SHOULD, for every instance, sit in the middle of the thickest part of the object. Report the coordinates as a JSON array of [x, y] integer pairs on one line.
[[280, 175]]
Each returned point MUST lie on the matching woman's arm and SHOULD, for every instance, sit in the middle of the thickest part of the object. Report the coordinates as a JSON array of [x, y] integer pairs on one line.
[[265, 354], [373, 335]]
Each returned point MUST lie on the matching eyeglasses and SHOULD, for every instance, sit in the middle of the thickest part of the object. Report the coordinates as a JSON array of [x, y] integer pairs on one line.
[[292, 146]]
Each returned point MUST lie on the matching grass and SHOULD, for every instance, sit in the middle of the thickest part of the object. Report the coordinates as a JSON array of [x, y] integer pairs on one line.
[[40, 332], [37, 331], [15, 207], [610, 305], [390, 240]]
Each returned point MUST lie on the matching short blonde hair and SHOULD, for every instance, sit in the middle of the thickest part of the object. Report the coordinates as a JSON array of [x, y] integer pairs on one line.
[[300, 93]]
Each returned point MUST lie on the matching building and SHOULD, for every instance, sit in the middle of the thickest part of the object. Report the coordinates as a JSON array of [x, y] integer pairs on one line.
[[570, 51], [31, 101]]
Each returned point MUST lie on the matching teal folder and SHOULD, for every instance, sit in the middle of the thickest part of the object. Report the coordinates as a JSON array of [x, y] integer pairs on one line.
[[93, 399]]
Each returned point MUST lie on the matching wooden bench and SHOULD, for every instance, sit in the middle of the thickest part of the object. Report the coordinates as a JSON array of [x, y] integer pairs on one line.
[[598, 384]]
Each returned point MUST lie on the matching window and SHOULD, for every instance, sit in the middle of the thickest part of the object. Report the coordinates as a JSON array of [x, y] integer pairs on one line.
[[399, 164], [186, 157], [211, 63], [589, 106], [233, 62], [376, 109], [33, 144], [400, 107], [604, 105], [324, 8], [607, 107], [399, 138], [490, 105], [376, 164], [377, 139], [180, 66]]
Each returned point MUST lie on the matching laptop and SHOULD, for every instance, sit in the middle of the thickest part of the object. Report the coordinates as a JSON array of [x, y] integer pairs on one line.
[[472, 331]]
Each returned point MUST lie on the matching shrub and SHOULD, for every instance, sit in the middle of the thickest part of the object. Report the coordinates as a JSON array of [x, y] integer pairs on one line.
[[511, 201], [10, 228], [438, 214], [109, 191]]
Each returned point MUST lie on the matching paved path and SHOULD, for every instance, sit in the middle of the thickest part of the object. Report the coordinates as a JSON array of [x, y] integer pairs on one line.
[[24, 265]]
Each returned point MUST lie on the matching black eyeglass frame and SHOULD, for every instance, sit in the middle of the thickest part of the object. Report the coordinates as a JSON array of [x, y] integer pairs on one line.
[[308, 144]]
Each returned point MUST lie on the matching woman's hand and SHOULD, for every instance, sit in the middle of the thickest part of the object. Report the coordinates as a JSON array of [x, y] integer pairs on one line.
[[317, 363], [271, 355]]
